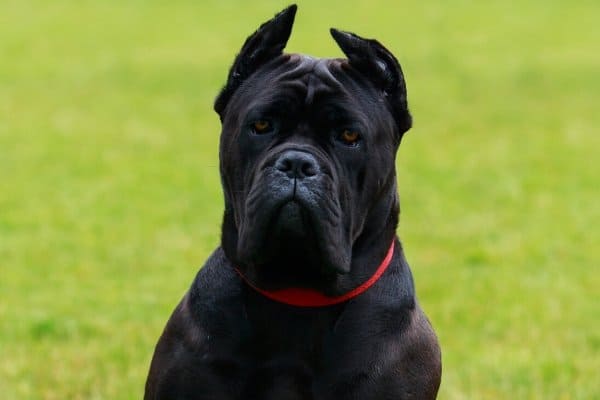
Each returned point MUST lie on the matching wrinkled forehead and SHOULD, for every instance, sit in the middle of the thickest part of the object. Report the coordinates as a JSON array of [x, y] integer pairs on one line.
[[304, 79], [311, 77]]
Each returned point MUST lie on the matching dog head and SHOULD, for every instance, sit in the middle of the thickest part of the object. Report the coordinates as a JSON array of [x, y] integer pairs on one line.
[[307, 155]]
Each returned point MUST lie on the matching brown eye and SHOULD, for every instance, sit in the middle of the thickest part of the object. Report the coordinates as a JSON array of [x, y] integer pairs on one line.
[[349, 137], [261, 126]]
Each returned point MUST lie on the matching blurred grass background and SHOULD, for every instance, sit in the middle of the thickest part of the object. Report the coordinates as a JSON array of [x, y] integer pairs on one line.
[[110, 197]]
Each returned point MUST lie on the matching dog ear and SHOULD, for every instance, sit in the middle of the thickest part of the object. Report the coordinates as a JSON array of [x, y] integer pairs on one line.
[[380, 66], [262, 46]]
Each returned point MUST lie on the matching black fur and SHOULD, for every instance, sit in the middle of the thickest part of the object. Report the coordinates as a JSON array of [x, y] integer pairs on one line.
[[307, 204]]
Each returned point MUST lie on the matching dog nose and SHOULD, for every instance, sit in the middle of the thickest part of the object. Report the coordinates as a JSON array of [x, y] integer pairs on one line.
[[297, 164]]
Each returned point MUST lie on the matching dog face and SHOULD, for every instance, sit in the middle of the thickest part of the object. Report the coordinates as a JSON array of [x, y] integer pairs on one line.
[[307, 154]]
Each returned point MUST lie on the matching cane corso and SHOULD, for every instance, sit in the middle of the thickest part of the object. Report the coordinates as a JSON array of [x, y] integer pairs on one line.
[[309, 295]]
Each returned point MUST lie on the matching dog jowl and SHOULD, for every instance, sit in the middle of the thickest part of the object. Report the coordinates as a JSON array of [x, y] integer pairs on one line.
[[309, 295]]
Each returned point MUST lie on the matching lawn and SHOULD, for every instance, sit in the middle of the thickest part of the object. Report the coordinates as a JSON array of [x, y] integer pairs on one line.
[[110, 197]]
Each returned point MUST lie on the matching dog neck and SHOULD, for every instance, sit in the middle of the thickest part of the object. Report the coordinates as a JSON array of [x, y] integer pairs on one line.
[[303, 297]]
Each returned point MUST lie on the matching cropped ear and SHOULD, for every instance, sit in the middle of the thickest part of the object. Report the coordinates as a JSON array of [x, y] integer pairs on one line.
[[380, 66], [262, 46]]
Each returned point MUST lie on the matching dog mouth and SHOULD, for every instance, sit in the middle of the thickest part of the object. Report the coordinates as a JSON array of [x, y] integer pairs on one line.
[[292, 228], [290, 232], [291, 221], [290, 254]]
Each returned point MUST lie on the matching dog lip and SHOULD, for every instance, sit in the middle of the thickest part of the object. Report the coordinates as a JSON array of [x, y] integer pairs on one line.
[[293, 210], [286, 209]]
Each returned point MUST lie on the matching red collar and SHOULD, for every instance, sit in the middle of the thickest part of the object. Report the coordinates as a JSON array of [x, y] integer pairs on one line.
[[301, 297]]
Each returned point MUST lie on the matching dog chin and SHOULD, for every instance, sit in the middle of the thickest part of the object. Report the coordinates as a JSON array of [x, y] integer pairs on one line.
[[288, 235], [295, 228], [288, 252], [291, 222]]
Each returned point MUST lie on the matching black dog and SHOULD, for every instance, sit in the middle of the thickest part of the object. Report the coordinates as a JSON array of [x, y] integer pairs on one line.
[[309, 295]]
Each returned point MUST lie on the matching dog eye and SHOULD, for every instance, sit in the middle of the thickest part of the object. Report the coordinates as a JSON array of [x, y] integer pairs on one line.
[[261, 127], [349, 137]]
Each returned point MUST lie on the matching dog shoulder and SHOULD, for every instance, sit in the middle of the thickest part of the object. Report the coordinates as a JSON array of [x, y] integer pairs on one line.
[[197, 331], [215, 284], [415, 365], [211, 305]]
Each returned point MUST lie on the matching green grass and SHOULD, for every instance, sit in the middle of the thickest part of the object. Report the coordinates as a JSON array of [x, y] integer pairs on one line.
[[110, 197]]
